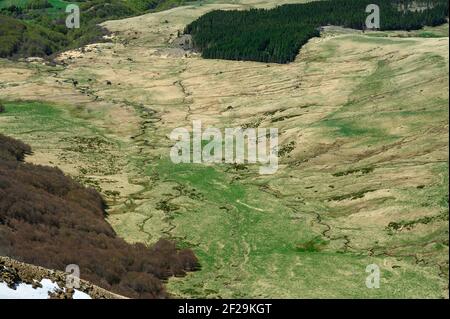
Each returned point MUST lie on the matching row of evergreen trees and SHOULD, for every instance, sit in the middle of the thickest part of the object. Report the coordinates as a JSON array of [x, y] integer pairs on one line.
[[276, 35]]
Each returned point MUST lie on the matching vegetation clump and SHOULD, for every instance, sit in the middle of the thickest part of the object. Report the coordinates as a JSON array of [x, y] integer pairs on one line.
[[38, 4]]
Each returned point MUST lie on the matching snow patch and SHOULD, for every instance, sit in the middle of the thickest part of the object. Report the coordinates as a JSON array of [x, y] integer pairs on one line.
[[26, 291]]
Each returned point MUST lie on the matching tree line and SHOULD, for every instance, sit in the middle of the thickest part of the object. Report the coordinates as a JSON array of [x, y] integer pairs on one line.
[[276, 35]]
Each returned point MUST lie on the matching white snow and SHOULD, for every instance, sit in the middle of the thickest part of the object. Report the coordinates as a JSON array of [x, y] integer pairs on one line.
[[80, 295], [26, 291]]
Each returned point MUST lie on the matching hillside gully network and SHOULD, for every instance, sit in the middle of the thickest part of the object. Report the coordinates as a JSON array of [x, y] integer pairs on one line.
[[262, 146], [212, 145]]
